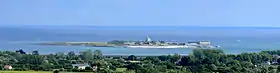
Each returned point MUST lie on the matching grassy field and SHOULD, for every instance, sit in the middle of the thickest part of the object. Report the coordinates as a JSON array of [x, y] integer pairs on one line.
[[38, 72]]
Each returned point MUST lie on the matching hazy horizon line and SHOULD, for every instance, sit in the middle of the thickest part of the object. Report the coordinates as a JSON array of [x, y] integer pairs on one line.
[[140, 26]]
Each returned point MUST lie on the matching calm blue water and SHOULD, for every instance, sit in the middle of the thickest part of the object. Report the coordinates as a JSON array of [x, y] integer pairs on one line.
[[232, 40]]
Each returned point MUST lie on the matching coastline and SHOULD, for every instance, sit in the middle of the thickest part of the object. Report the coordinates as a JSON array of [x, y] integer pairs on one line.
[[171, 46], [90, 44], [105, 44]]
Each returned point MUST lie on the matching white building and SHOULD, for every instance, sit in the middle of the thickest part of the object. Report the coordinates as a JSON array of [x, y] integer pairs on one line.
[[148, 39], [94, 68], [80, 66], [205, 43]]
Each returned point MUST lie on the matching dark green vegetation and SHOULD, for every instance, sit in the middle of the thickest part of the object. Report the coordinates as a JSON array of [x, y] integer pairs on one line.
[[200, 61]]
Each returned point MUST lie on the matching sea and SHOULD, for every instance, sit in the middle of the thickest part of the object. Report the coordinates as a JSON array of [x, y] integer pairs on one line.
[[232, 40]]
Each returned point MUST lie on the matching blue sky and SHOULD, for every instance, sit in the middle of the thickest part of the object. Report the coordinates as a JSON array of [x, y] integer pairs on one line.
[[141, 12]]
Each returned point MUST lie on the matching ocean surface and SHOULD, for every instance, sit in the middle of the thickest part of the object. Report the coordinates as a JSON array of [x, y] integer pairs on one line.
[[233, 40]]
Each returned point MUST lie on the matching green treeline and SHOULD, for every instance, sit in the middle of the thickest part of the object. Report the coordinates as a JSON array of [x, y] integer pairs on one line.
[[200, 61]]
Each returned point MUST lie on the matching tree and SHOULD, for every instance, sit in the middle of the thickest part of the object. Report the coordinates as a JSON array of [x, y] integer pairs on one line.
[[52, 59], [264, 69], [20, 51], [88, 68], [97, 55], [161, 68], [87, 55], [185, 70], [35, 52], [16, 56], [213, 67], [198, 53], [175, 58], [201, 61], [278, 60], [71, 55], [116, 63], [60, 55], [188, 61], [100, 64], [153, 59], [146, 70], [170, 65], [133, 66], [163, 58], [148, 65], [278, 69], [33, 61], [45, 65], [132, 57]]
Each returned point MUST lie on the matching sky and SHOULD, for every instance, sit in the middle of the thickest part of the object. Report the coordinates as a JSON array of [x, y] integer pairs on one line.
[[141, 12]]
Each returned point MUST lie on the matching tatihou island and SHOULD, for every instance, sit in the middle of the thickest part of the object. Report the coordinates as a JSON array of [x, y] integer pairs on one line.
[[148, 43]]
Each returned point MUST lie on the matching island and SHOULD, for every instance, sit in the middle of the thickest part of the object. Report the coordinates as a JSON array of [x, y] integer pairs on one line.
[[148, 43]]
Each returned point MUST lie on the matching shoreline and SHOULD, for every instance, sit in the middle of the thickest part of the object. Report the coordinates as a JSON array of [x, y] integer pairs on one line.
[[90, 44], [106, 44]]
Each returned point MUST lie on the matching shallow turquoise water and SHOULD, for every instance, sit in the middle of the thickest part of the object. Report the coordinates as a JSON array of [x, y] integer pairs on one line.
[[231, 40], [232, 47]]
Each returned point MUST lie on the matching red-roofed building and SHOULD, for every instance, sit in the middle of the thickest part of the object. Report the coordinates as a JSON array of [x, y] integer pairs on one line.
[[8, 67]]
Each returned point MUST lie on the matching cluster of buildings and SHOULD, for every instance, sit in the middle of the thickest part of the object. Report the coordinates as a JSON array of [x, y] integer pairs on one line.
[[150, 42]]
